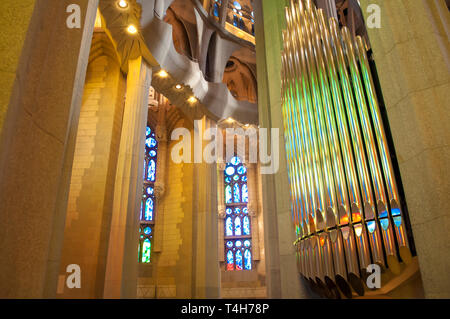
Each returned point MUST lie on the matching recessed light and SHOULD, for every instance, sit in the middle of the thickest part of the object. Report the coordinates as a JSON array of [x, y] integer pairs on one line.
[[230, 120], [131, 29], [178, 86], [123, 4], [192, 100], [163, 74]]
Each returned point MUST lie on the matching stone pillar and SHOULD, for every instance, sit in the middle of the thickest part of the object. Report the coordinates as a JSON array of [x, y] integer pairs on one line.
[[223, 12], [89, 209], [206, 276], [283, 279], [37, 146], [122, 261], [253, 208], [221, 209], [160, 184], [15, 18], [411, 51]]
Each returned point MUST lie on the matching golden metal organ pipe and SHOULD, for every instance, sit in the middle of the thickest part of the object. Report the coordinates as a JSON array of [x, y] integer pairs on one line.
[[335, 143]]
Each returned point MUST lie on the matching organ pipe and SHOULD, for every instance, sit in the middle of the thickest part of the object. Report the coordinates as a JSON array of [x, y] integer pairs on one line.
[[345, 201]]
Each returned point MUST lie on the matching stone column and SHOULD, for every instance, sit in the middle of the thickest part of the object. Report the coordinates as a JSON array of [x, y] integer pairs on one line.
[[221, 209], [283, 279], [253, 208], [411, 51], [122, 261], [160, 184], [37, 146], [89, 209], [223, 12], [206, 276]]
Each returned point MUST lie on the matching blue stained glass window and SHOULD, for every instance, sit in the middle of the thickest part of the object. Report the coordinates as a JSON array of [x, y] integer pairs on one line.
[[235, 160], [237, 5], [237, 227], [151, 170], [235, 21], [150, 142], [237, 222], [230, 260], [149, 209], [228, 194], [241, 24], [247, 260], [245, 193], [241, 170], [229, 227], [147, 213], [246, 225], [230, 170], [146, 250], [216, 10], [238, 260], [236, 193]]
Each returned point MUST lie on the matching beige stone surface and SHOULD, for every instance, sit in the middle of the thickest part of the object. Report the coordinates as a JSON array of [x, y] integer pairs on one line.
[[411, 50], [89, 209], [15, 18], [122, 264], [36, 141]]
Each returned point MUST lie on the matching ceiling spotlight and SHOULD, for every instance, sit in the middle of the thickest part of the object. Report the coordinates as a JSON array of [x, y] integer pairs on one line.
[[178, 86], [247, 125], [192, 100], [230, 120], [131, 29], [123, 4], [163, 74]]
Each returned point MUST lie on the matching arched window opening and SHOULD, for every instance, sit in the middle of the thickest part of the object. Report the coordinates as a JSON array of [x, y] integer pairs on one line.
[[147, 215], [237, 221]]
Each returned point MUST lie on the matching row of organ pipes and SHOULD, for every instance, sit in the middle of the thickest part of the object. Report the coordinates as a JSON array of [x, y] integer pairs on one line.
[[345, 201]]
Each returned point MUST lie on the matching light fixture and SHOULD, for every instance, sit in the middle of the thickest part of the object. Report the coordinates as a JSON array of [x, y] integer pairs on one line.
[[192, 100], [247, 125], [230, 120], [163, 74], [131, 29], [178, 86], [122, 4]]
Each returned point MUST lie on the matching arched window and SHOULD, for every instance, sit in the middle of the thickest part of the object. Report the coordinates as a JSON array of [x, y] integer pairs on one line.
[[241, 24], [216, 10], [147, 215], [238, 241], [235, 21]]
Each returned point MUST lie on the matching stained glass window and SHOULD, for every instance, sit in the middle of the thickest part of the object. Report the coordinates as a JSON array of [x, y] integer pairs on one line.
[[148, 206], [237, 222]]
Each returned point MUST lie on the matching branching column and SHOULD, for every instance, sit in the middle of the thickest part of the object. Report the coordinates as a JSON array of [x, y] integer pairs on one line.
[[253, 208], [122, 260]]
